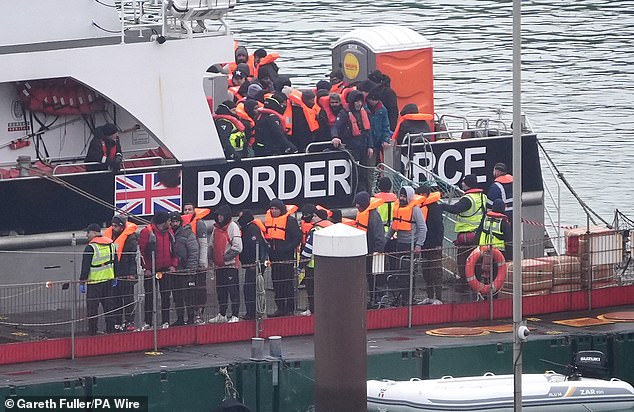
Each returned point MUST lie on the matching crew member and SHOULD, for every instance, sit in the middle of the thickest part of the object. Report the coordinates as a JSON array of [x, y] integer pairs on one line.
[[408, 222], [386, 210], [496, 230], [469, 211], [502, 188], [319, 220], [226, 246], [231, 131], [97, 278], [105, 149], [200, 278], [283, 235], [123, 234], [156, 244]]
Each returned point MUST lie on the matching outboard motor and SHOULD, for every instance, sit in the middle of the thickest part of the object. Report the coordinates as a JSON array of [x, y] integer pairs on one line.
[[591, 364]]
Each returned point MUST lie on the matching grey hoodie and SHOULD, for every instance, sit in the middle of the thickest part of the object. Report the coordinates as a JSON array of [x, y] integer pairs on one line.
[[419, 226]]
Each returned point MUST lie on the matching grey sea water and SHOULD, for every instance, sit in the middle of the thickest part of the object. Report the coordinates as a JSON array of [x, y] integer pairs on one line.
[[577, 80]]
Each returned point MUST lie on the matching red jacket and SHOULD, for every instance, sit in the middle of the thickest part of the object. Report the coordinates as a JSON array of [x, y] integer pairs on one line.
[[165, 256]]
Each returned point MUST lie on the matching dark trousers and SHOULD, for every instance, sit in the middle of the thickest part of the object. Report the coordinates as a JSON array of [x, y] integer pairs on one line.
[[165, 291], [248, 291], [432, 272], [462, 253], [282, 276], [123, 297], [178, 284], [228, 287], [200, 291], [309, 281], [99, 293]]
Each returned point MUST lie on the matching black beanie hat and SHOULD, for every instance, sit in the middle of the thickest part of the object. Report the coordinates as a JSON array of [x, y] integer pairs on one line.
[[323, 85], [160, 217], [109, 129], [278, 204], [471, 181], [245, 218], [322, 214], [175, 216], [260, 53], [362, 199], [385, 184], [409, 108]]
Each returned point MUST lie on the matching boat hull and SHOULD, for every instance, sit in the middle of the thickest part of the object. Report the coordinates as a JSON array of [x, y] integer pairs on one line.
[[543, 392]]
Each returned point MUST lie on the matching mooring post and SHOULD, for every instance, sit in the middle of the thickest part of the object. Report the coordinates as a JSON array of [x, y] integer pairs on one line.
[[340, 324]]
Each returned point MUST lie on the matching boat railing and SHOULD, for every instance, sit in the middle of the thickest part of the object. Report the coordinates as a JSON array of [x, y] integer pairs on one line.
[[174, 18], [552, 205]]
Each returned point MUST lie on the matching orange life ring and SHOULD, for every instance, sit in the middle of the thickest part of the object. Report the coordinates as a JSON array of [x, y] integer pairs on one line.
[[473, 258]]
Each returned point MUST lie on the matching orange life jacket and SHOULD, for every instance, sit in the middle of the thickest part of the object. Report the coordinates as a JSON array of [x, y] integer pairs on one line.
[[504, 179], [199, 213], [242, 114], [101, 240], [234, 91], [120, 240], [344, 96], [338, 87], [387, 196], [269, 58], [362, 219], [424, 117], [324, 103], [233, 65], [328, 211], [264, 111], [275, 228], [365, 120], [237, 123], [431, 198], [402, 219], [309, 113], [306, 227]]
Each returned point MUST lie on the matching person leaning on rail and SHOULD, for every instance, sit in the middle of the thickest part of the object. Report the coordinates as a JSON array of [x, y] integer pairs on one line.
[[97, 278]]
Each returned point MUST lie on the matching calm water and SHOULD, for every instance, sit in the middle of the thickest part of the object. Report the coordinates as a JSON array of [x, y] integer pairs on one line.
[[578, 73]]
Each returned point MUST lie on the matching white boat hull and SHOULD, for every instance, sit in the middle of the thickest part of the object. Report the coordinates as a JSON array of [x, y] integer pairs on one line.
[[543, 392]]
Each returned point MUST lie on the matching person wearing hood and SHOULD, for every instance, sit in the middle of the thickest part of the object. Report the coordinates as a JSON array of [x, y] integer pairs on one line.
[[270, 139], [352, 128], [496, 230], [225, 247], [411, 122], [284, 236], [387, 95], [123, 235], [380, 133], [330, 105], [183, 280], [195, 216], [470, 210], [254, 251], [265, 66], [231, 131], [432, 249], [241, 56], [408, 224], [369, 220], [105, 149]]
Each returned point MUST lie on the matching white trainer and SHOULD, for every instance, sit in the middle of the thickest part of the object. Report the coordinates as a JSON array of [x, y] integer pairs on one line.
[[233, 319], [307, 312], [218, 319], [437, 302], [165, 325], [145, 326]]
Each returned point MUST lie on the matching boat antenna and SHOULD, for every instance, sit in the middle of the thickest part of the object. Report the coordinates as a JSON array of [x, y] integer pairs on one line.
[[583, 204]]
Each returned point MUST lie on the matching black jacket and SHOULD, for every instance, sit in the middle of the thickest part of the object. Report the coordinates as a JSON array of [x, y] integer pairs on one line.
[[95, 154], [285, 249], [435, 227], [302, 135], [411, 127], [252, 240], [375, 235], [270, 137], [389, 100], [224, 128], [128, 263]]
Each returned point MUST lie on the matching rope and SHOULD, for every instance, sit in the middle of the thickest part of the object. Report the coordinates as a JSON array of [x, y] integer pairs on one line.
[[230, 389]]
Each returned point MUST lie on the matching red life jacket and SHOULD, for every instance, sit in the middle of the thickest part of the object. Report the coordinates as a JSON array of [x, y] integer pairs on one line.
[[237, 123], [324, 103], [269, 58], [108, 154], [365, 120]]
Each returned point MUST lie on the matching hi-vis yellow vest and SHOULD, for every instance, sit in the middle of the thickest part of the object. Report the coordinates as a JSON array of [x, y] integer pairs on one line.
[[469, 220], [102, 265]]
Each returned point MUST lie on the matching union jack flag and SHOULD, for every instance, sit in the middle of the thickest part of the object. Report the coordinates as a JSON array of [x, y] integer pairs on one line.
[[143, 194]]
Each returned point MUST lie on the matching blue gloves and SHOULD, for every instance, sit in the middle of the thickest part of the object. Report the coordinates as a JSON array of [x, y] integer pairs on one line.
[[114, 282], [82, 288]]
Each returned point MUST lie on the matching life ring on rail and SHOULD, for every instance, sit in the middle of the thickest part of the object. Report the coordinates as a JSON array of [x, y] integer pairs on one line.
[[473, 259]]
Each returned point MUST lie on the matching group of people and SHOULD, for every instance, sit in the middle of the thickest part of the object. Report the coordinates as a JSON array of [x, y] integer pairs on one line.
[[177, 250], [264, 115]]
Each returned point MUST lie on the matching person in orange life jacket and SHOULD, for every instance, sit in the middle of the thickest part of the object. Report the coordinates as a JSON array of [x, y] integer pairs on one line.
[[337, 84], [387, 95], [369, 220], [199, 227], [432, 248], [254, 250], [502, 188], [241, 56], [323, 85], [226, 246], [187, 252], [380, 133], [105, 149], [318, 220], [230, 127], [98, 266], [352, 128], [304, 120], [504, 232], [306, 224], [157, 240], [408, 222], [330, 105], [270, 139], [470, 210], [337, 216], [284, 236], [265, 66], [240, 82], [123, 234], [411, 126]]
